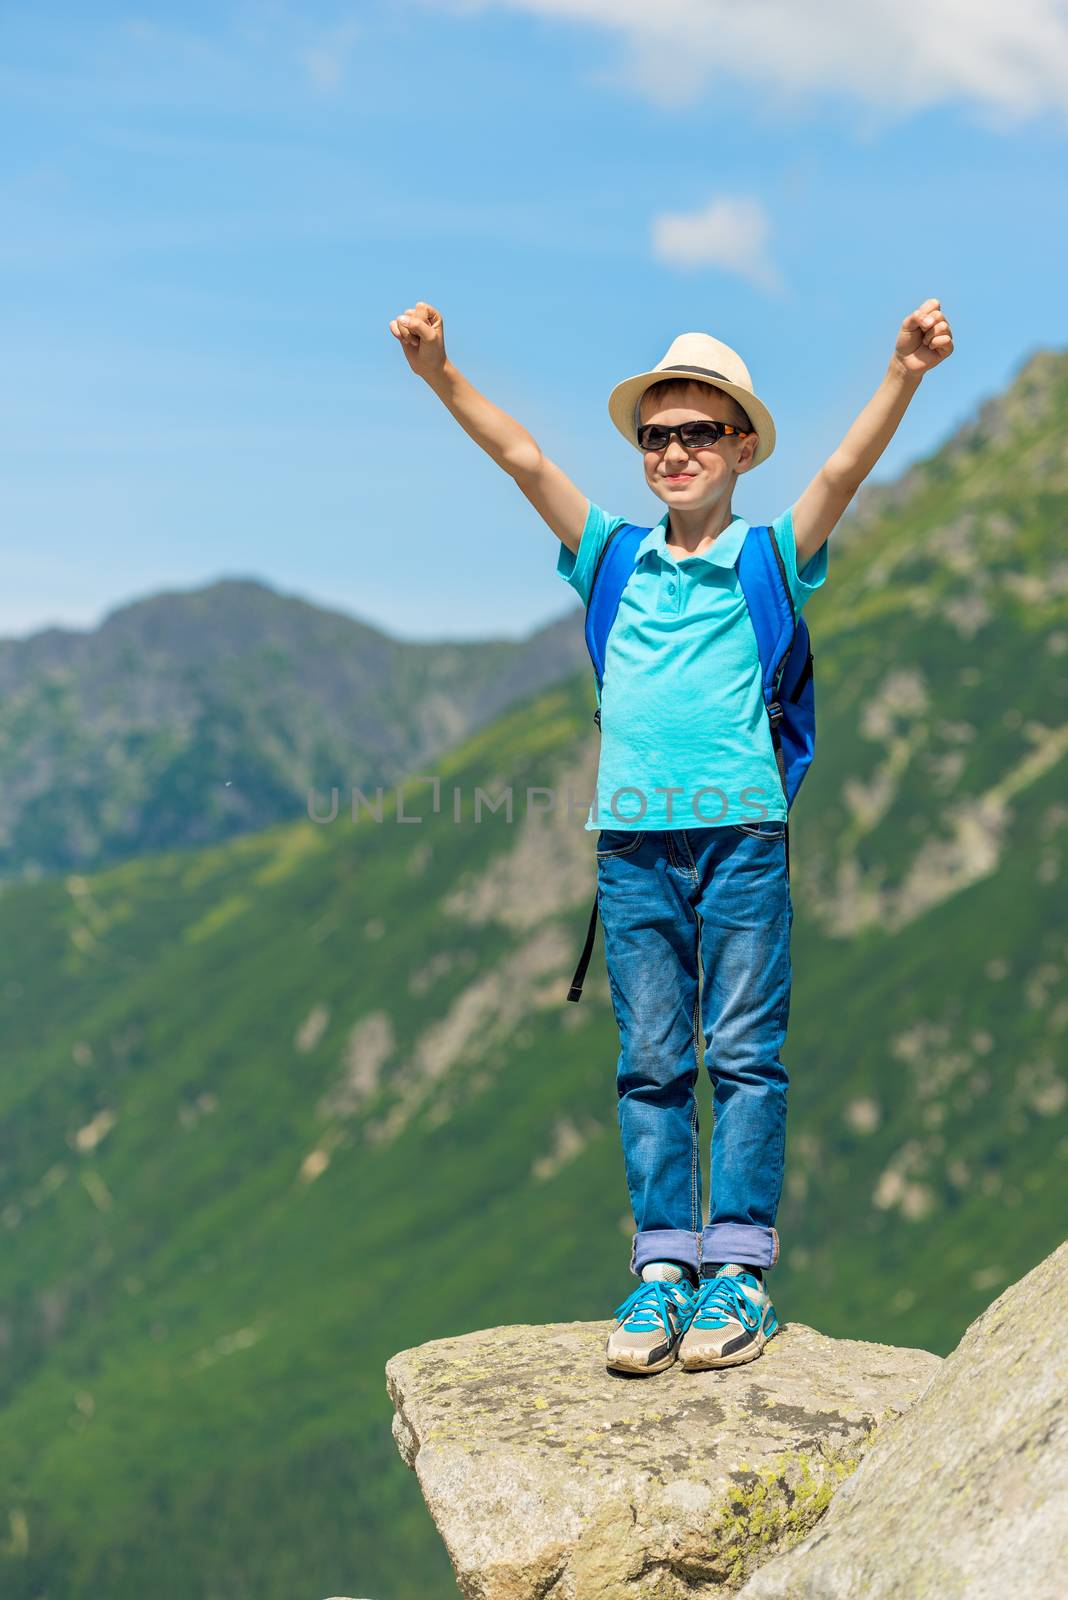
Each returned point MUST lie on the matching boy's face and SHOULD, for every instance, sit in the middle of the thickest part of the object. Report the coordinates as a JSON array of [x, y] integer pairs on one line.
[[692, 479]]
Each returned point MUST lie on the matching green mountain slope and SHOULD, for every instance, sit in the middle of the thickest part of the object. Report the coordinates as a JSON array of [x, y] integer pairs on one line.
[[198, 715], [278, 1107]]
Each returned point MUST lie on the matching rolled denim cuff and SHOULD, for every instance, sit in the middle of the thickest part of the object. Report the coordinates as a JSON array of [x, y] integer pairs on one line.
[[665, 1244], [744, 1242]]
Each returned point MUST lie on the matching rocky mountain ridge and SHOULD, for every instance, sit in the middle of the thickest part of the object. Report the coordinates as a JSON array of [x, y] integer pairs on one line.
[[198, 715]]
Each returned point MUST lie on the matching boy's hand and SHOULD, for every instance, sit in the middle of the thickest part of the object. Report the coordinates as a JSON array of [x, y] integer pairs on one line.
[[924, 340], [422, 335]]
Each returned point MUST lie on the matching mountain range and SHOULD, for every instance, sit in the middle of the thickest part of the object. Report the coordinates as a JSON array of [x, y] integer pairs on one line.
[[198, 715]]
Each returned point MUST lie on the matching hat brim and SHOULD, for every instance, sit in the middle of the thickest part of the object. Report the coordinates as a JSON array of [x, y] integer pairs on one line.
[[623, 401]]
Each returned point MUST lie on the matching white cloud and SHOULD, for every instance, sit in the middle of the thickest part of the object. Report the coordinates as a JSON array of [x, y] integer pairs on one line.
[[731, 233], [894, 57]]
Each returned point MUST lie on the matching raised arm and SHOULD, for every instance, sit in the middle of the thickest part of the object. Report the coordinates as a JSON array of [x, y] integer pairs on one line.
[[923, 341], [421, 333]]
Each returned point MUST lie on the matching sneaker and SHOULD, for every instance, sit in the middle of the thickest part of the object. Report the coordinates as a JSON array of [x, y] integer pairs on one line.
[[731, 1320], [649, 1325]]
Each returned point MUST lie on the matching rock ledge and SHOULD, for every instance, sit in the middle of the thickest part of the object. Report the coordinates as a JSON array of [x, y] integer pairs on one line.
[[550, 1477]]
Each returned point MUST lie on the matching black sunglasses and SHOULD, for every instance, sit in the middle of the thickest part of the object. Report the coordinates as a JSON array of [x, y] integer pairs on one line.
[[693, 435]]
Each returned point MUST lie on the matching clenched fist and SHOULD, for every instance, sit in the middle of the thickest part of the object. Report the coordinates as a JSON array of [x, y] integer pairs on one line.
[[924, 340], [422, 336]]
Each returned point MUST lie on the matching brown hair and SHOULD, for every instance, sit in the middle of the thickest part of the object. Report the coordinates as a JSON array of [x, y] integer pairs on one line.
[[734, 412]]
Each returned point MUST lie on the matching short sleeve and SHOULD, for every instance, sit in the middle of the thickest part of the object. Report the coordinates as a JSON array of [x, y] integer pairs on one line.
[[803, 584], [577, 567]]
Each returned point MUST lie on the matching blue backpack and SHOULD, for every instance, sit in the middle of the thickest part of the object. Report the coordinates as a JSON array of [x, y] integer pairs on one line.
[[782, 641]]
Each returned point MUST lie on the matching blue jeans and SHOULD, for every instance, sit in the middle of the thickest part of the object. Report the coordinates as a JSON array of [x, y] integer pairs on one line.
[[667, 900]]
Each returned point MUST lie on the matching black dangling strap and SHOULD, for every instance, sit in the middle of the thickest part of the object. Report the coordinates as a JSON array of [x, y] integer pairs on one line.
[[575, 991]]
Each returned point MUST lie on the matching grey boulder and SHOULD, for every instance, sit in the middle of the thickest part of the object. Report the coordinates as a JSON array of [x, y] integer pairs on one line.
[[966, 1496], [550, 1477]]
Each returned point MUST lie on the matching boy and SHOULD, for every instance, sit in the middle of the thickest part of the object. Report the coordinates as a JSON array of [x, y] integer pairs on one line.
[[691, 866]]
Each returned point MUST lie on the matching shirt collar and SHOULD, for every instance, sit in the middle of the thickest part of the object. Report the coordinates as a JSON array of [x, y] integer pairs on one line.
[[722, 552]]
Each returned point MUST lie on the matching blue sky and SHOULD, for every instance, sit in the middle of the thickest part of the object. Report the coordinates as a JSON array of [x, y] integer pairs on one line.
[[211, 212]]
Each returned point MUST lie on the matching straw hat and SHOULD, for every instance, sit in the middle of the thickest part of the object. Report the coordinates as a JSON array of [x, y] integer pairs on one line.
[[695, 355]]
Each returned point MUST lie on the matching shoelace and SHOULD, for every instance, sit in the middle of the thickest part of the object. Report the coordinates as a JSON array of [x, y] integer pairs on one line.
[[647, 1307], [719, 1300]]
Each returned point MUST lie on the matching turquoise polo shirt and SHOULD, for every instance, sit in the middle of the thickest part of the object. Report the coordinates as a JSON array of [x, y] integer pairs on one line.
[[685, 737]]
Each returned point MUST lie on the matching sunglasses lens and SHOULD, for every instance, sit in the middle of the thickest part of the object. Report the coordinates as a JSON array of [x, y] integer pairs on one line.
[[699, 435], [694, 435]]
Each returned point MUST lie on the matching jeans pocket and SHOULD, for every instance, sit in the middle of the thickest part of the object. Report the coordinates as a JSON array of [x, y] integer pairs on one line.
[[765, 828], [617, 842]]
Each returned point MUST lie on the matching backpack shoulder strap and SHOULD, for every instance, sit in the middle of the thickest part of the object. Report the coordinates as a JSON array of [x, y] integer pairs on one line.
[[762, 575], [610, 576]]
